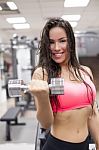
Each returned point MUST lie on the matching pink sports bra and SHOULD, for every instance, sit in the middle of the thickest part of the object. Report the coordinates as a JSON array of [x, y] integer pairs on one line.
[[76, 95]]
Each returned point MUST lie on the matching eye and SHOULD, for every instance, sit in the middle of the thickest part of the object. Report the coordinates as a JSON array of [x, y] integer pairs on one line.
[[63, 40], [51, 42]]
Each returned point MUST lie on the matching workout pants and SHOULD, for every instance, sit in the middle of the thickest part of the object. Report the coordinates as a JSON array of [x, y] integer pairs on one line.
[[53, 143]]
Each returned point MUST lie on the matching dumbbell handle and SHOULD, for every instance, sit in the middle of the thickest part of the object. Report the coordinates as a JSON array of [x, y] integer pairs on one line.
[[16, 86], [25, 87]]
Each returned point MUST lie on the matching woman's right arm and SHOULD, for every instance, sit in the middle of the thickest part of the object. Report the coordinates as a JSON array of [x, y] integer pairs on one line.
[[93, 124], [40, 90]]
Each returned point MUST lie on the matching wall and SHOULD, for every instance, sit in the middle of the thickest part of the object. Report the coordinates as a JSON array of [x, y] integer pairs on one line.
[[87, 44], [93, 63]]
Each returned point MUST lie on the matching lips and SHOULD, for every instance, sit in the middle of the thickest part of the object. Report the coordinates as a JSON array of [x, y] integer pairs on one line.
[[57, 55]]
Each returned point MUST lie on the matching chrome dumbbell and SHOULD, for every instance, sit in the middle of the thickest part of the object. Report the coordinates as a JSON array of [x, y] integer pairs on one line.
[[17, 86]]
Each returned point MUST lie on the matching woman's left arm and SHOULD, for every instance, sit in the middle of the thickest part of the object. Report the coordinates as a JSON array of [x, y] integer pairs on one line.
[[93, 124], [93, 121]]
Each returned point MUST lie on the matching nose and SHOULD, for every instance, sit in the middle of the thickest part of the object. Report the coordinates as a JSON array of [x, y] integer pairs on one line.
[[57, 46]]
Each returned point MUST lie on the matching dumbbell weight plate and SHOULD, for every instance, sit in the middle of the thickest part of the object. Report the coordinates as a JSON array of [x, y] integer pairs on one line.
[[57, 86], [16, 87]]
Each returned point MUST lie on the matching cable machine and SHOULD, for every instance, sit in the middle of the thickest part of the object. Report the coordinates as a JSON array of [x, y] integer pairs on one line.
[[23, 61]]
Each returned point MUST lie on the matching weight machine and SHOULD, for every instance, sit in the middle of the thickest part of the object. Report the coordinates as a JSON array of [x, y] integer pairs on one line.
[[23, 52]]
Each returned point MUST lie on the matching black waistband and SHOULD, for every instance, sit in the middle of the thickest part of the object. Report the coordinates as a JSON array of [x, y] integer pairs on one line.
[[54, 143]]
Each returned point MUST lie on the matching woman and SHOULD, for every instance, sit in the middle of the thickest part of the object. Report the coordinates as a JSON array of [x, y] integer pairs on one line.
[[68, 116]]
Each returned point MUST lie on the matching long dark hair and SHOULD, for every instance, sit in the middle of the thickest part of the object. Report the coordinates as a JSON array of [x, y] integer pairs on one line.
[[46, 62]]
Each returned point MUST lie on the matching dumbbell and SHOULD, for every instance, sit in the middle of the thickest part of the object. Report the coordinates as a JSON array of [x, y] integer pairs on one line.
[[17, 86]]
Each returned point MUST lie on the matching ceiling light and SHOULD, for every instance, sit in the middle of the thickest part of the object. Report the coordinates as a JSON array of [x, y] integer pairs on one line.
[[12, 5], [71, 17], [16, 20], [0, 8], [73, 24], [21, 26], [76, 3]]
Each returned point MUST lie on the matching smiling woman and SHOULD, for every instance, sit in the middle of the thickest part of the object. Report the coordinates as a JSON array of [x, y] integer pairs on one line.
[[68, 116], [58, 44]]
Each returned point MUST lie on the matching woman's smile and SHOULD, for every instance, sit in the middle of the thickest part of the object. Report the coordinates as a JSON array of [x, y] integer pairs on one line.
[[58, 55]]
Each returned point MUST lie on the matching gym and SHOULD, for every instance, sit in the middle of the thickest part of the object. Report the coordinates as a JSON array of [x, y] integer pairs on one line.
[[20, 33]]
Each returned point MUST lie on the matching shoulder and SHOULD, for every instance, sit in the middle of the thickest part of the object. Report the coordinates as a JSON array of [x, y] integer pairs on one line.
[[89, 71], [40, 74]]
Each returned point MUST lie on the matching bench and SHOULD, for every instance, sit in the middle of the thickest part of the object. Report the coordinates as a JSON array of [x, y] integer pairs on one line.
[[11, 118]]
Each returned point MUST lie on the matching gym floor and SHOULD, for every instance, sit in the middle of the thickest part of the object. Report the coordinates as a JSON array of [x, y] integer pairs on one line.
[[19, 134]]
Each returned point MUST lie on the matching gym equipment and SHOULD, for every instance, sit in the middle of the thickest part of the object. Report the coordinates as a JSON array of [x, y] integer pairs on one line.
[[22, 66], [11, 118], [16, 87]]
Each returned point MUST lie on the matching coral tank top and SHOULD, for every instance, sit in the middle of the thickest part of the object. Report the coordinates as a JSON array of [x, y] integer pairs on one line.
[[76, 95]]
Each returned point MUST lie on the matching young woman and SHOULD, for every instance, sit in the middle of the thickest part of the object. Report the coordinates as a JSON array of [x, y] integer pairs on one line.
[[68, 116]]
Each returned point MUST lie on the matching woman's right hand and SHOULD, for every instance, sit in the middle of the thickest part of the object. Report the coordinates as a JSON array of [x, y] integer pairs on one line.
[[39, 88]]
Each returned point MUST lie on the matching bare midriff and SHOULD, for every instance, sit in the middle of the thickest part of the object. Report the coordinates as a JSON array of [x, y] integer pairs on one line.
[[71, 125]]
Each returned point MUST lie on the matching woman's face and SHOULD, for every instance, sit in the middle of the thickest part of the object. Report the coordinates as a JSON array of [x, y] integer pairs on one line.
[[58, 45]]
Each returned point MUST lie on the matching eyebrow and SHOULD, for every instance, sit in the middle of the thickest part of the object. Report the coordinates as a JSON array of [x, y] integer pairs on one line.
[[59, 38]]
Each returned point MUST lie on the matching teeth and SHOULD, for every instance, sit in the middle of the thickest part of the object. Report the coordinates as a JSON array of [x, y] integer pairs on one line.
[[58, 54]]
